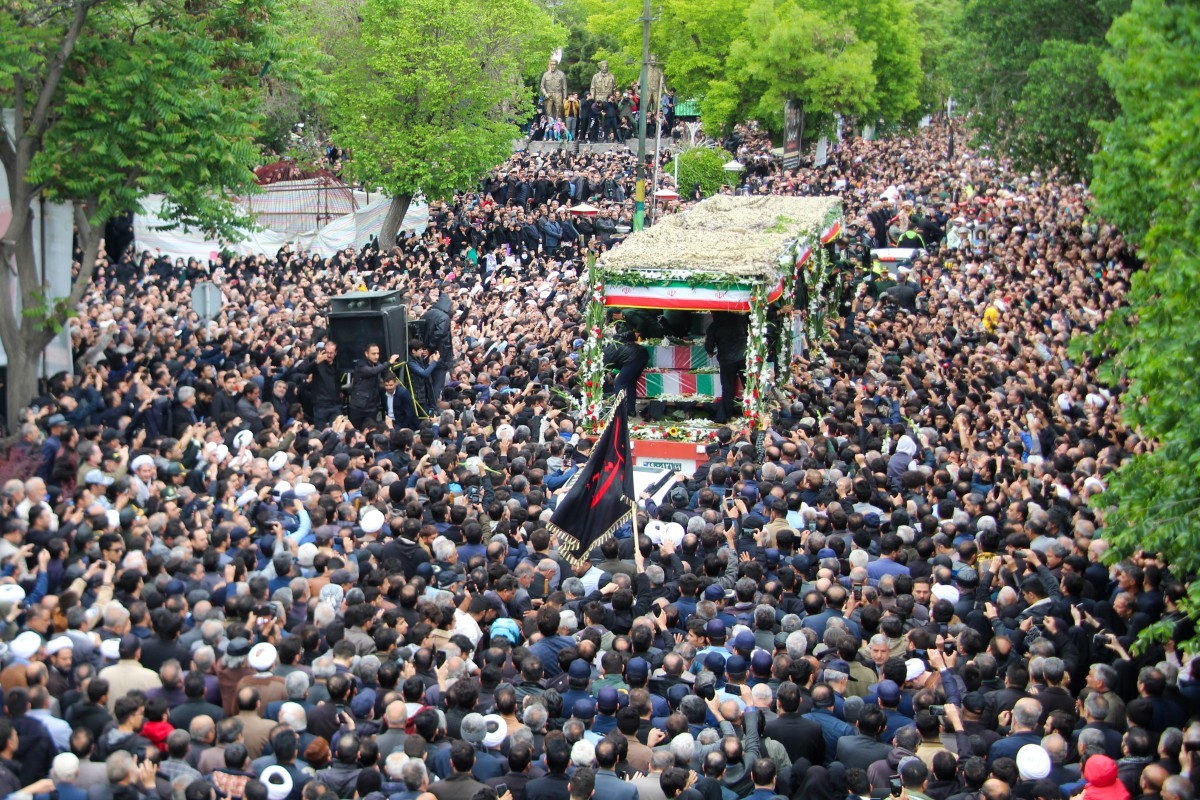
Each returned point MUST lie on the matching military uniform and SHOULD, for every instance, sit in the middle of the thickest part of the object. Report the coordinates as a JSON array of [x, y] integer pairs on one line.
[[554, 89]]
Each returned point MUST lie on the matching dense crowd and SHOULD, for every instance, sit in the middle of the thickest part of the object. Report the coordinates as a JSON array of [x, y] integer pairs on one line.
[[230, 577]]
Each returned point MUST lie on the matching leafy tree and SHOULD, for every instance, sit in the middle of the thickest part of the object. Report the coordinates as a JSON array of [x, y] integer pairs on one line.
[[690, 38], [703, 167], [936, 22], [114, 101], [1145, 183], [429, 98], [891, 26], [1001, 67], [1054, 117], [792, 52]]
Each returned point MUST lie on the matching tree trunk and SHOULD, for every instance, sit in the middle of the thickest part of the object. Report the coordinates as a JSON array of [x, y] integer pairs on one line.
[[22, 383], [25, 337], [393, 220]]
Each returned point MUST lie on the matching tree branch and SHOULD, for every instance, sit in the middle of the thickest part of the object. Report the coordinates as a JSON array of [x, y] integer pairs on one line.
[[18, 107], [41, 112], [89, 239]]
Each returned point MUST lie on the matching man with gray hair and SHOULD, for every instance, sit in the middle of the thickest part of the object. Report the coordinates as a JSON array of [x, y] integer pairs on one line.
[[649, 786], [1102, 678], [797, 645], [1022, 731], [294, 716], [64, 771], [295, 686], [395, 717], [416, 779]]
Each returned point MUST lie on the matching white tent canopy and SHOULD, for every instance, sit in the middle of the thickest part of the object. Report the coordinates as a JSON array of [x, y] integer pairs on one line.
[[346, 231]]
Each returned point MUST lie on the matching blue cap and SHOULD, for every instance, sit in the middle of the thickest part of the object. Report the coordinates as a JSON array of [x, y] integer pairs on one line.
[[735, 665], [637, 669], [715, 663], [826, 552], [888, 692], [579, 669], [871, 520], [676, 693], [772, 555], [606, 700], [715, 629], [363, 703], [761, 662], [744, 641], [584, 708], [714, 592], [175, 587]]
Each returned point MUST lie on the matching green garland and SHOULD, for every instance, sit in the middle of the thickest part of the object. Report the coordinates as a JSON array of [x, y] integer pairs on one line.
[[694, 280], [759, 373], [592, 371]]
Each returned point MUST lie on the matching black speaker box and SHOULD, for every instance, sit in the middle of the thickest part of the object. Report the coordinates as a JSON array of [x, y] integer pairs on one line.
[[366, 318]]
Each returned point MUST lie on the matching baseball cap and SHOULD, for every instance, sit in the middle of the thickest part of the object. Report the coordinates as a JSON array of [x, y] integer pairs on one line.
[[96, 476], [579, 669], [715, 629], [888, 692], [606, 700], [714, 592], [363, 703], [743, 641], [584, 708], [637, 669], [735, 665]]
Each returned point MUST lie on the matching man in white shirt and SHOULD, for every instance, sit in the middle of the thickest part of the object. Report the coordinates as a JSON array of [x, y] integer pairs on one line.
[[471, 616]]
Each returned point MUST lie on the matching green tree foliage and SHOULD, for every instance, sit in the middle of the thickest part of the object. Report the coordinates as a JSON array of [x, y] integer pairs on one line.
[[792, 52], [1005, 55], [703, 167], [114, 101], [937, 20], [1145, 183], [1062, 97], [690, 38], [430, 98], [892, 27], [586, 45]]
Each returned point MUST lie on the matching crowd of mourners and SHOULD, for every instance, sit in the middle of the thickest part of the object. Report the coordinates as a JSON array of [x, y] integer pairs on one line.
[[232, 575]]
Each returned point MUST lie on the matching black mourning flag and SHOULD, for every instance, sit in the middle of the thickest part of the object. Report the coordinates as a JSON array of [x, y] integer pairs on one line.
[[600, 499]]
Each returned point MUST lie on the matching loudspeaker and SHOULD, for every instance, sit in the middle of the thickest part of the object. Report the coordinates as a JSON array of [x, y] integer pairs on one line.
[[364, 318]]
